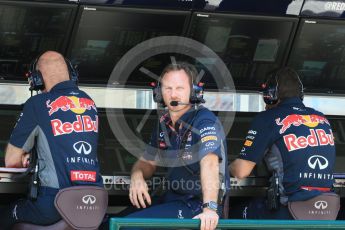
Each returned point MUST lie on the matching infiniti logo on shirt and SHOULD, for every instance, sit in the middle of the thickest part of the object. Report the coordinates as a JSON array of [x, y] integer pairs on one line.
[[89, 199], [82, 147], [317, 161]]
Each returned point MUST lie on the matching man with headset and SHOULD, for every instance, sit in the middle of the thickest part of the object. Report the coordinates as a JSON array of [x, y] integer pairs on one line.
[[190, 140], [297, 145], [61, 124]]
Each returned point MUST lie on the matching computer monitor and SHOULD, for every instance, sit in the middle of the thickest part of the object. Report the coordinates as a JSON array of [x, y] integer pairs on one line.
[[29, 28], [103, 35], [250, 46], [318, 55]]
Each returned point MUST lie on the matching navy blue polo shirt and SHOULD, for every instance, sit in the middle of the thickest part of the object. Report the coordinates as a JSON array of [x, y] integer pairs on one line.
[[196, 133], [65, 124], [305, 142]]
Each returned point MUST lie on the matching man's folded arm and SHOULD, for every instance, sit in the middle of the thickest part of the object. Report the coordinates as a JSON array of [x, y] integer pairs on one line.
[[241, 169], [14, 156]]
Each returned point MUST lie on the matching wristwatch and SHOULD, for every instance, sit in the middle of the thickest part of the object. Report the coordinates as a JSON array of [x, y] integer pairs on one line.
[[211, 205]]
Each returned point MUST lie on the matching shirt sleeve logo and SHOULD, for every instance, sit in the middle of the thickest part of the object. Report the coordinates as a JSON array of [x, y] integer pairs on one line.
[[209, 138], [248, 143]]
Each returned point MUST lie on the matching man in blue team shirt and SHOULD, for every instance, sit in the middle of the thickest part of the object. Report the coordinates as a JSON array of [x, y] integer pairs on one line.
[[191, 137], [296, 143], [62, 124]]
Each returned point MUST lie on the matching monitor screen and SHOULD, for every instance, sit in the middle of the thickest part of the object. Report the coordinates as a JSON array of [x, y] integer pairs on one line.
[[105, 34], [9, 116], [29, 28], [319, 57], [250, 46]]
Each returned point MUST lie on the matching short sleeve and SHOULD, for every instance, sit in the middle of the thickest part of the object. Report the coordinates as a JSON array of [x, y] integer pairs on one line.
[[259, 138], [25, 130], [211, 138]]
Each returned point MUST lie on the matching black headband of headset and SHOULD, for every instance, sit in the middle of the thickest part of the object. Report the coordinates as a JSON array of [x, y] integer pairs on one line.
[[270, 88], [35, 76]]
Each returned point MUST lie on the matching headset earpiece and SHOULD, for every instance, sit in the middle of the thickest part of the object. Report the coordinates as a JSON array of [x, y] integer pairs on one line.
[[35, 77], [269, 94], [270, 89], [73, 73], [157, 93], [197, 94]]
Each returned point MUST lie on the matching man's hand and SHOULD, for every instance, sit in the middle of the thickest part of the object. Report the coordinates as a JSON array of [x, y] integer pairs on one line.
[[26, 160], [208, 219], [138, 192]]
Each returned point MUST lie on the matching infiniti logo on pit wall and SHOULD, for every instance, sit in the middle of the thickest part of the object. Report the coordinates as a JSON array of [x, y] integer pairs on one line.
[[321, 204], [319, 161], [89, 199], [82, 147]]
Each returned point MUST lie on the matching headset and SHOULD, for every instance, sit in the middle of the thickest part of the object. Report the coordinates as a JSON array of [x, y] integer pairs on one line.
[[197, 91], [35, 76], [270, 88]]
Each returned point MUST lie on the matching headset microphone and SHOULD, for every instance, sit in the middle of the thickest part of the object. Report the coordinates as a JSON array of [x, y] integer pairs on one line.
[[176, 103]]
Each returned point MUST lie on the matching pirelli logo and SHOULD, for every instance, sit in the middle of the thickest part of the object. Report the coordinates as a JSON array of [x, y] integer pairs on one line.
[[209, 138]]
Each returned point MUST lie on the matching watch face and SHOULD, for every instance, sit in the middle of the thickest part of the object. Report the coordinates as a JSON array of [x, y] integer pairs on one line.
[[213, 205]]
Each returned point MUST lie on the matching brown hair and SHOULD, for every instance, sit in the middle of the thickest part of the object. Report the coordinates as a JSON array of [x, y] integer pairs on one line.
[[289, 84], [189, 69]]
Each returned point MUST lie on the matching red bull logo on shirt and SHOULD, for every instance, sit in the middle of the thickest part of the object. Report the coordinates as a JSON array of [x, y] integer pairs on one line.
[[297, 120], [82, 124], [73, 103], [317, 137]]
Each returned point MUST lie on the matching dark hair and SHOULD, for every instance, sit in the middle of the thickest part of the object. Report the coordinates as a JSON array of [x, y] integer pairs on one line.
[[189, 69], [289, 84]]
